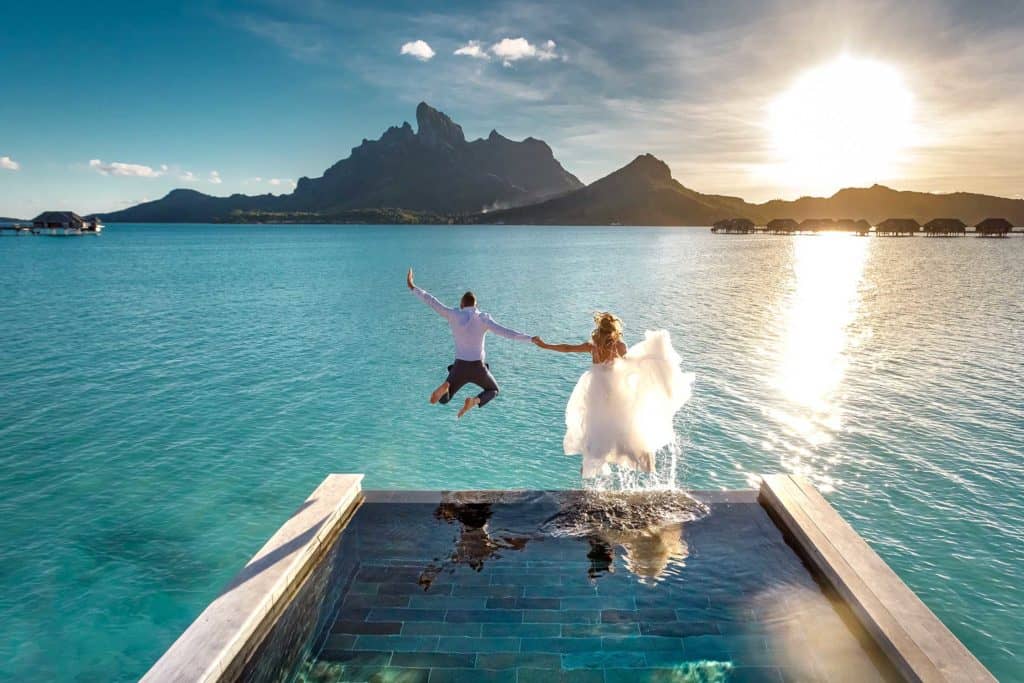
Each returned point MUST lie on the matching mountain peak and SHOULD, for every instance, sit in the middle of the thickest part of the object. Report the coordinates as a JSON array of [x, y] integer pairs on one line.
[[649, 166], [436, 128]]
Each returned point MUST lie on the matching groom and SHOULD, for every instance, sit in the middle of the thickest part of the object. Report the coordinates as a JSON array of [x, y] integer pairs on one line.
[[469, 325]]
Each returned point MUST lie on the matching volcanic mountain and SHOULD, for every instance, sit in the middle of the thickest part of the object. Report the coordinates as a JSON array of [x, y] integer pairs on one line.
[[433, 170]]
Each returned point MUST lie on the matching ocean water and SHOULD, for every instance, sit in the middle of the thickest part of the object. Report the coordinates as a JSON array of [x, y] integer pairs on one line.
[[169, 394]]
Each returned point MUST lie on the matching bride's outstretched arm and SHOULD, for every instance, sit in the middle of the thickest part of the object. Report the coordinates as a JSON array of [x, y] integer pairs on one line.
[[563, 348]]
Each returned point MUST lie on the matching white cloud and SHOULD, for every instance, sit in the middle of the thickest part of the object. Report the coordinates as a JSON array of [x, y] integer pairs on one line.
[[473, 49], [418, 49], [9, 164], [188, 177], [510, 50], [215, 178], [280, 181], [128, 170]]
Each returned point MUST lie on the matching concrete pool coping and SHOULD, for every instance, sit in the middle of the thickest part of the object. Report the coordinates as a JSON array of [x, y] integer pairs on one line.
[[221, 640]]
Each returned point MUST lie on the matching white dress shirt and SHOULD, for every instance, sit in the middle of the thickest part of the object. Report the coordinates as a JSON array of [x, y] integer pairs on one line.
[[469, 325]]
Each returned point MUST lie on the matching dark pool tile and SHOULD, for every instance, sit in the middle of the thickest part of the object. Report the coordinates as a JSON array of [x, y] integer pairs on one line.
[[618, 616], [522, 630], [526, 578], [446, 602], [567, 616], [497, 590], [680, 629], [379, 628], [405, 614], [439, 628], [397, 643], [340, 641], [357, 657], [599, 602], [559, 591], [523, 603], [467, 645], [514, 660], [472, 676], [363, 588], [484, 616], [603, 660], [650, 614], [413, 588], [640, 643], [433, 660], [371, 601], [352, 614], [530, 675], [560, 645], [707, 647], [585, 630]]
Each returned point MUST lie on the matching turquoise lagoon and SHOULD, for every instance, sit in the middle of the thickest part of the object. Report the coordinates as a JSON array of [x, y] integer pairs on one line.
[[169, 394]]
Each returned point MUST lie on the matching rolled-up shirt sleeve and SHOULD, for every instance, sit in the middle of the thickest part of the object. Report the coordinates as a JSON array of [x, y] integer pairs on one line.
[[430, 300], [502, 331]]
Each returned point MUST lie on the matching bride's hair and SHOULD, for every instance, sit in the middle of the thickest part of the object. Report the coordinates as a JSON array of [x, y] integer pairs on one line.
[[606, 335]]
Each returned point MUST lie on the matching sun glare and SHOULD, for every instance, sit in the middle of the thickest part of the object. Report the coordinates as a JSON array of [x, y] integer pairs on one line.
[[847, 122]]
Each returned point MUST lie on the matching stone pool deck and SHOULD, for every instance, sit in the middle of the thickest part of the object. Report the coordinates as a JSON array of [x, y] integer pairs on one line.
[[536, 617]]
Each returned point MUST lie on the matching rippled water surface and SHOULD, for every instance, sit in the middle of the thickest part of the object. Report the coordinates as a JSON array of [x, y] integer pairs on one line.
[[168, 395]]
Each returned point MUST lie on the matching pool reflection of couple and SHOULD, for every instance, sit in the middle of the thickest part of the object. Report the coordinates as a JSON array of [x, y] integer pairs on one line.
[[620, 412], [647, 553]]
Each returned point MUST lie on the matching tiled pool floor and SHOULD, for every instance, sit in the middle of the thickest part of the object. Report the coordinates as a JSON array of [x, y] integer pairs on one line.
[[471, 590]]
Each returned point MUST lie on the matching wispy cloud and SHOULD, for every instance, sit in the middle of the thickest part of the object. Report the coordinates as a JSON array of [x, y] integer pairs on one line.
[[510, 50], [473, 49], [188, 177], [418, 49], [215, 178], [119, 168], [9, 164]]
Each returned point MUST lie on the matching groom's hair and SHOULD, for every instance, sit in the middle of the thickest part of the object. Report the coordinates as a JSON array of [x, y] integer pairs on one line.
[[468, 299]]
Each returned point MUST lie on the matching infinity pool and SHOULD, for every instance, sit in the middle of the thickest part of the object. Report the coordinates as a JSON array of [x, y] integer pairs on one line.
[[544, 586]]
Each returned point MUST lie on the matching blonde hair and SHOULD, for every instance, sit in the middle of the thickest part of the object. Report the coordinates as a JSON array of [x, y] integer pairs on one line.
[[606, 335]]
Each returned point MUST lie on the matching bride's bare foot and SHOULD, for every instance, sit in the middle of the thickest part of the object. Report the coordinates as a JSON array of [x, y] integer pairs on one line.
[[439, 392], [471, 402]]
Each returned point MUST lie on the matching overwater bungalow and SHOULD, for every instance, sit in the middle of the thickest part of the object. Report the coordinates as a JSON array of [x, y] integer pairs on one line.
[[993, 227], [782, 226], [861, 227], [897, 227], [733, 226], [944, 227], [816, 225], [65, 223]]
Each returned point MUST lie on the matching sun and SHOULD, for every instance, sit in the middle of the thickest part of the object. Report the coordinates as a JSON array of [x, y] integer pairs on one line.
[[848, 122]]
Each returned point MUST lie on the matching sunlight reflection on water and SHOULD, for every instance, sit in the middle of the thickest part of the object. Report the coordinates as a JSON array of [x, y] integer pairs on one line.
[[822, 304]]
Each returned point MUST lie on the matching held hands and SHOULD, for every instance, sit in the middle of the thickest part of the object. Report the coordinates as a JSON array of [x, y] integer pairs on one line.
[[408, 280]]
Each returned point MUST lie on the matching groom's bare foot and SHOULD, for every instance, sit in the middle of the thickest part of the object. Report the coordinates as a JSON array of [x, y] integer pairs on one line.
[[471, 402], [439, 392]]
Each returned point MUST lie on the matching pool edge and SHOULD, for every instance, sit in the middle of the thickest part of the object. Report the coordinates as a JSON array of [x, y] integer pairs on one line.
[[226, 633], [918, 644]]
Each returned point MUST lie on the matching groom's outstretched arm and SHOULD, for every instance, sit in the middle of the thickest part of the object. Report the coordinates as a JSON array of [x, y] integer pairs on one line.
[[428, 298], [503, 331]]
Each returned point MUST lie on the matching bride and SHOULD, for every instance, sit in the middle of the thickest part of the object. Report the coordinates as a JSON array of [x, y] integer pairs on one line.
[[621, 411]]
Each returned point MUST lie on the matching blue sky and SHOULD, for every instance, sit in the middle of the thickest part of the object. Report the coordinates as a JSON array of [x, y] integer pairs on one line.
[[109, 104]]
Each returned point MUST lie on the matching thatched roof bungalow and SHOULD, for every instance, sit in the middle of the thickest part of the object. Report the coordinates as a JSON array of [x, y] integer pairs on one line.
[[993, 227], [861, 227], [897, 227], [816, 224], [66, 220], [944, 227], [733, 226], [782, 226]]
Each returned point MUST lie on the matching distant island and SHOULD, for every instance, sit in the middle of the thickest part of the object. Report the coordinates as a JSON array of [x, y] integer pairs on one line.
[[434, 175]]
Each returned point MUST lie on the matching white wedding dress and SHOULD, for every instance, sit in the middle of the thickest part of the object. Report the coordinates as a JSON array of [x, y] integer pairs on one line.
[[621, 412]]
